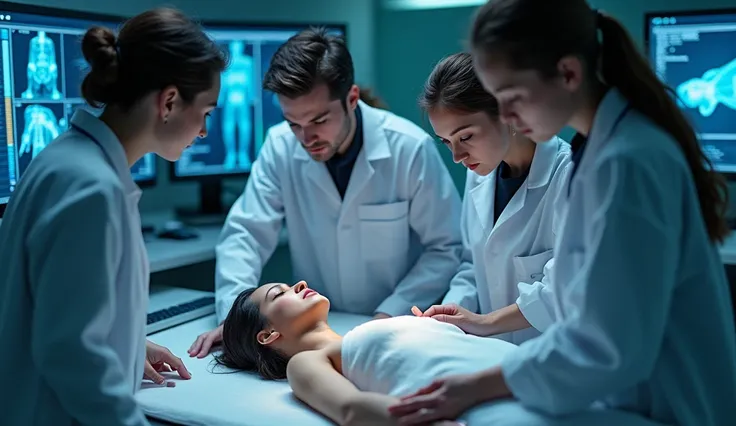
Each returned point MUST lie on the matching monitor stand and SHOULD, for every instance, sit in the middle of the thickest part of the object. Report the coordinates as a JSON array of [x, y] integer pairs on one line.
[[210, 211]]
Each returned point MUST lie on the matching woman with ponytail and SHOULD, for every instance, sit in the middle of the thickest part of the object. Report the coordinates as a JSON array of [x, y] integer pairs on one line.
[[645, 322]]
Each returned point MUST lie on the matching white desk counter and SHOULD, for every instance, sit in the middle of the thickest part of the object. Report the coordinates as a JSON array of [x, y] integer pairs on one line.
[[165, 254]]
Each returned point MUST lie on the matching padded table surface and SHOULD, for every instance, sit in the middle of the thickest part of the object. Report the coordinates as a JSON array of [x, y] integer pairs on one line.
[[216, 396]]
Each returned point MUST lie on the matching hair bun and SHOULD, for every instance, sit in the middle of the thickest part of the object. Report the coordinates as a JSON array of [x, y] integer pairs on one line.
[[100, 51]]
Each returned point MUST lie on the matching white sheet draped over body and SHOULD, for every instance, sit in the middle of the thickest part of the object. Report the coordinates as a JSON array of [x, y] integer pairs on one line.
[[399, 355]]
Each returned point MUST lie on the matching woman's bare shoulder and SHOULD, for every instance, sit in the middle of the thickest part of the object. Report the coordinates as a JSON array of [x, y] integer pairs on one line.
[[330, 353]]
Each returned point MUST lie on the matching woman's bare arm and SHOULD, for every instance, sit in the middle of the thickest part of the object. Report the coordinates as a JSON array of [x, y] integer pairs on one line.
[[316, 381]]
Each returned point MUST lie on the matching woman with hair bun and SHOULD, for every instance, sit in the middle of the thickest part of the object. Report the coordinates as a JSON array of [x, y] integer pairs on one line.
[[75, 279]]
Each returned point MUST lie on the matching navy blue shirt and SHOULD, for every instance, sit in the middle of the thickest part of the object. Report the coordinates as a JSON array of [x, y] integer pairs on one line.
[[577, 147], [340, 166], [506, 187]]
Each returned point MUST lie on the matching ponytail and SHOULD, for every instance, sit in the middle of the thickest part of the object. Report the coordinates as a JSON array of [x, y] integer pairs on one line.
[[623, 67], [367, 96]]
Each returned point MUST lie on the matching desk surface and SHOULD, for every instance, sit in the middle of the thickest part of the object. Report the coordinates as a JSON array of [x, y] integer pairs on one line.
[[169, 254], [165, 254]]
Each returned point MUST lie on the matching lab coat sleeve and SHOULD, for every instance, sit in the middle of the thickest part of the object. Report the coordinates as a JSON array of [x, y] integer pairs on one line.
[[463, 286], [434, 214], [536, 301], [251, 231], [616, 304], [77, 253]]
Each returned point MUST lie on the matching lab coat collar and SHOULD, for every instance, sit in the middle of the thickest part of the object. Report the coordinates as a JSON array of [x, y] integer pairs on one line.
[[375, 144], [543, 163], [610, 112], [110, 145], [540, 173]]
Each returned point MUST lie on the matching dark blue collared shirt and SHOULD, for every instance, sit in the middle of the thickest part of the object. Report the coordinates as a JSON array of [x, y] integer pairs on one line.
[[506, 187], [341, 166], [577, 147]]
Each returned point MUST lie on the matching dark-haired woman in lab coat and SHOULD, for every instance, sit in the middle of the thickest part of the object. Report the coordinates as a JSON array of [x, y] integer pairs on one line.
[[74, 295]]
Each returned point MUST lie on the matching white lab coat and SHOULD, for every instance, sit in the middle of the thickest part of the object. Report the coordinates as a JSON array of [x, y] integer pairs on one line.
[[393, 242], [645, 318], [509, 262], [74, 286]]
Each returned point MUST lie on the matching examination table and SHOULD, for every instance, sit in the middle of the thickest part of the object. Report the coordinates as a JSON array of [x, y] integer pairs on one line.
[[214, 396]]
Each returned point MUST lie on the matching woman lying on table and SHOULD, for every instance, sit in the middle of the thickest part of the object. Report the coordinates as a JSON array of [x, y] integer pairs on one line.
[[281, 331]]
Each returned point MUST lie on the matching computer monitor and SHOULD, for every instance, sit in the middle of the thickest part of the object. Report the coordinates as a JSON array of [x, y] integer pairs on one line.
[[42, 71], [237, 127], [694, 52]]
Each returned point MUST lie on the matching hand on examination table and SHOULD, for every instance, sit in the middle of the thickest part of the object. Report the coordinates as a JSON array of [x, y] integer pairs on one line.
[[372, 409], [446, 398], [160, 359], [201, 347]]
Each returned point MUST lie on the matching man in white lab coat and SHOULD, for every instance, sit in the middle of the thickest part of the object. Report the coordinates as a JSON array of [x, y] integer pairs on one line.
[[372, 213]]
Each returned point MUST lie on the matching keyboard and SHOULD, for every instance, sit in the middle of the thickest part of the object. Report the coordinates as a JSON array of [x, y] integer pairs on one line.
[[172, 306]]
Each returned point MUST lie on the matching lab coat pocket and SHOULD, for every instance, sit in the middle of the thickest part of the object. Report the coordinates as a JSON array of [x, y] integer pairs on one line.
[[384, 229], [531, 268]]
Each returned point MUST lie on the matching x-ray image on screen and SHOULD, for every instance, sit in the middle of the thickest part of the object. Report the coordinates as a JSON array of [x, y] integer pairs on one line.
[[695, 56], [237, 95], [272, 114], [37, 125], [228, 147], [716, 87], [36, 65]]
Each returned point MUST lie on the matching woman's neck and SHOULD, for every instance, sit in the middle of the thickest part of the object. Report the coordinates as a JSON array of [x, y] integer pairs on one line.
[[317, 338], [128, 128], [520, 155]]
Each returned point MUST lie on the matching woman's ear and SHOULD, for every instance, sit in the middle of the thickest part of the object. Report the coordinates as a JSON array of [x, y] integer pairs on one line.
[[166, 102], [267, 337]]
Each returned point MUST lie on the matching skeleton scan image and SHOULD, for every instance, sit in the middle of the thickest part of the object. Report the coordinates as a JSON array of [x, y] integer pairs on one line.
[[237, 96], [40, 129], [693, 53], [716, 87], [40, 124], [42, 69]]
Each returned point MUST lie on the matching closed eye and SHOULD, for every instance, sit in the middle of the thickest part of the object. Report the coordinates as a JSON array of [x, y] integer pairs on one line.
[[465, 138]]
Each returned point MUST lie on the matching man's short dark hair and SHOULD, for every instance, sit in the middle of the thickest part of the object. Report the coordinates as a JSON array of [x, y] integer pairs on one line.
[[308, 59]]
